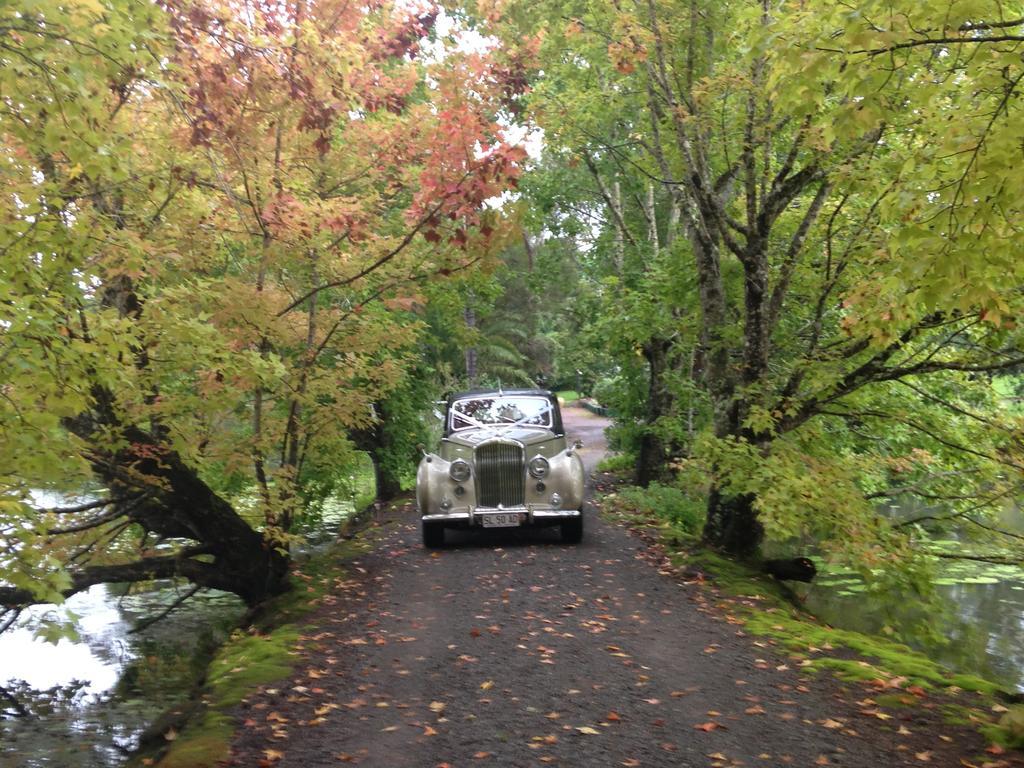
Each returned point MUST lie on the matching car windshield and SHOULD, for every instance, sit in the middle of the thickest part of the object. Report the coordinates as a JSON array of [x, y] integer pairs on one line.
[[502, 410]]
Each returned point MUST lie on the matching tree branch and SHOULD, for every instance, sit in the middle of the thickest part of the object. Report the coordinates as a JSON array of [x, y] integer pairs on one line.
[[165, 567]]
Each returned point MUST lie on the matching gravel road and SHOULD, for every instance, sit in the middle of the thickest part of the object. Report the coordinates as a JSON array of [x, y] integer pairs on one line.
[[512, 649]]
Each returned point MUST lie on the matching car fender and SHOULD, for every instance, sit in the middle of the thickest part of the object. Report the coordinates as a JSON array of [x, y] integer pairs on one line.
[[567, 478]]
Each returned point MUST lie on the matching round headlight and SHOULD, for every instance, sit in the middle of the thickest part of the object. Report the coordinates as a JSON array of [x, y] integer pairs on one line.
[[538, 467], [459, 471]]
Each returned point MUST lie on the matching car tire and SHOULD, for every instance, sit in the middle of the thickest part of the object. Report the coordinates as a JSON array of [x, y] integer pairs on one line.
[[433, 535], [572, 530]]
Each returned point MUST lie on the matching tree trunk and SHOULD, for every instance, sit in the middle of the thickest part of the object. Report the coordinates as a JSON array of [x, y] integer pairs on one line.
[[732, 525], [470, 317], [389, 485], [654, 453], [375, 442], [178, 505]]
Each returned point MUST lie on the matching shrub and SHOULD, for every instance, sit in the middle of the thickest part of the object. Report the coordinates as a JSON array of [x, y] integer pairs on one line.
[[617, 462], [669, 503]]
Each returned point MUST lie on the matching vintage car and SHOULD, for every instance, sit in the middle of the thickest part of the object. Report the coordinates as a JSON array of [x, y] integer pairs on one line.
[[503, 463]]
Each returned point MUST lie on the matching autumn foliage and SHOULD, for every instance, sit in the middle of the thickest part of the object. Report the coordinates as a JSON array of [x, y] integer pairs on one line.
[[225, 215]]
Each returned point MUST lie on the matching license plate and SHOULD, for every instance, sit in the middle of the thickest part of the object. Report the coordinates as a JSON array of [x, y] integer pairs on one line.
[[502, 520]]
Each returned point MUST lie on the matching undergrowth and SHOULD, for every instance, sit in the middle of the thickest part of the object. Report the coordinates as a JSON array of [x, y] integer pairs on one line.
[[673, 505]]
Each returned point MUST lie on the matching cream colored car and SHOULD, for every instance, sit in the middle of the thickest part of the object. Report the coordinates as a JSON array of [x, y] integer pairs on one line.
[[503, 463]]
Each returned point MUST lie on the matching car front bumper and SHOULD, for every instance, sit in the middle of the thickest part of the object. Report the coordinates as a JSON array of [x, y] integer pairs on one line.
[[469, 517]]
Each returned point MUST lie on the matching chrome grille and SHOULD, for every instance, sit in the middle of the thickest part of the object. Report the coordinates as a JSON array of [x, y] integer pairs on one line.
[[500, 475]]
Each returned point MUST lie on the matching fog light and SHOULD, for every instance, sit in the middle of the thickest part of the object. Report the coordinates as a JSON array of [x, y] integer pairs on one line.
[[540, 487], [556, 500], [459, 490]]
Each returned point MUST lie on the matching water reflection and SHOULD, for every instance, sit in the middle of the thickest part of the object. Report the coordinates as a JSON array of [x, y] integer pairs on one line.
[[90, 699], [978, 627]]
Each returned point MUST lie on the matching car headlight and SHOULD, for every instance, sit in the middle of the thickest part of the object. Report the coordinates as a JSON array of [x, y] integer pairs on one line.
[[539, 467], [459, 471]]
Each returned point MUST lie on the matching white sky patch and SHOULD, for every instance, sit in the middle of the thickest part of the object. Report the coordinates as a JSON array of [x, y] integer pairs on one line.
[[453, 37]]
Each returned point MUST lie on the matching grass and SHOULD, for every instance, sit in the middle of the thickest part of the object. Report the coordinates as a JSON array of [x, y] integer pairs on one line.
[[568, 396]]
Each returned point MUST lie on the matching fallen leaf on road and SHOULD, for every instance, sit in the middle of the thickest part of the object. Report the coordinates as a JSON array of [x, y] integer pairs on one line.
[[588, 730], [487, 685], [437, 706], [832, 724], [757, 709], [706, 727], [428, 731], [876, 713], [273, 755], [924, 757], [481, 755], [613, 717], [630, 762]]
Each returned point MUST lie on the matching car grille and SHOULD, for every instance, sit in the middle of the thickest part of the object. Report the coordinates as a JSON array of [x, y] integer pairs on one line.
[[500, 475]]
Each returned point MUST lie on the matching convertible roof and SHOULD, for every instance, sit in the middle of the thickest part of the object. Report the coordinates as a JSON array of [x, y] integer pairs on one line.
[[545, 393]]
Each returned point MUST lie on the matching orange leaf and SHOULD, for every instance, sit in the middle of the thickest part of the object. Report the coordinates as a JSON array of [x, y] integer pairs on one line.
[[706, 727], [613, 717], [481, 755]]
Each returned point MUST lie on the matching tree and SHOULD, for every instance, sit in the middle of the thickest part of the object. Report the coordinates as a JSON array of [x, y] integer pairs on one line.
[[216, 228], [835, 170]]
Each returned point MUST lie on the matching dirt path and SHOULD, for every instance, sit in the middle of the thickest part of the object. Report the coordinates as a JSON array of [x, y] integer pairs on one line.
[[516, 650]]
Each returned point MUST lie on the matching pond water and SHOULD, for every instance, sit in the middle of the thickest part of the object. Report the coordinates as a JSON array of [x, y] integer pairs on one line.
[[975, 624], [90, 698]]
